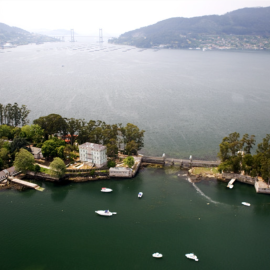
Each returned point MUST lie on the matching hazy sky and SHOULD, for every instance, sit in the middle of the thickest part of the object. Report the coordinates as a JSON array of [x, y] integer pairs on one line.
[[113, 16]]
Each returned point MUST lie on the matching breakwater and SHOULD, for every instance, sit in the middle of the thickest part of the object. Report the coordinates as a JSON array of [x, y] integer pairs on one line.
[[184, 163]]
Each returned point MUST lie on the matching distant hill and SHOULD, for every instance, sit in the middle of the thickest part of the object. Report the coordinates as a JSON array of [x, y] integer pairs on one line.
[[247, 21], [17, 36]]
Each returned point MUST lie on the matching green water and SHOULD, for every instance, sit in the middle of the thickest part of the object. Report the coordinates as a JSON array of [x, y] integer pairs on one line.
[[58, 228]]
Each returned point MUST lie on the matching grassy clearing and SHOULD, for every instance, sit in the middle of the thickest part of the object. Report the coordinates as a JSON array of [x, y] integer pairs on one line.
[[203, 170], [44, 170]]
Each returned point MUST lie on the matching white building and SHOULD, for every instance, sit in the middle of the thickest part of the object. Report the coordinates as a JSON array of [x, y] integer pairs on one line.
[[95, 154]]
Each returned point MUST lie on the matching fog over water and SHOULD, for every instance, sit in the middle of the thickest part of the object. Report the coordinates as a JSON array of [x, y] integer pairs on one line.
[[185, 100]]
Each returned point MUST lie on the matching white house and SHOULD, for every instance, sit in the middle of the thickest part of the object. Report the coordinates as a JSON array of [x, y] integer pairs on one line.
[[95, 154]]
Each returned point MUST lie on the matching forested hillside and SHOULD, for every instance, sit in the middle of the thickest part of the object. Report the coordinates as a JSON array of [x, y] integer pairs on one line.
[[187, 32], [17, 36]]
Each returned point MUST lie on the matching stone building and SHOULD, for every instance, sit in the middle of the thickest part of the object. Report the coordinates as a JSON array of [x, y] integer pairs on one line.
[[120, 172]]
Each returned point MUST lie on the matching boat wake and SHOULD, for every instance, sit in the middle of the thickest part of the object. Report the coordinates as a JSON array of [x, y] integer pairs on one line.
[[200, 192]]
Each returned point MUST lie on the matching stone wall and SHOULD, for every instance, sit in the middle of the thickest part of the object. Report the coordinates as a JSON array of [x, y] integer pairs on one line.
[[239, 177]]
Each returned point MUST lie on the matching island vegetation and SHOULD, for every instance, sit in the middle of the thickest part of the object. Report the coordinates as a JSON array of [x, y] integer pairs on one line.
[[236, 155], [59, 138]]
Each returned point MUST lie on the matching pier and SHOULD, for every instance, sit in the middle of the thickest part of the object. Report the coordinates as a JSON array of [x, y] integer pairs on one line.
[[25, 183]]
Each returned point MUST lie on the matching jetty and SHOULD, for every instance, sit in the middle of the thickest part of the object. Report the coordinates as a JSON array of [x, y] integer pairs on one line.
[[25, 183]]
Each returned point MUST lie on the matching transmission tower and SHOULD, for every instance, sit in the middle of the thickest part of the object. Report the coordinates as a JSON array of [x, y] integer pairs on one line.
[[72, 35], [100, 36]]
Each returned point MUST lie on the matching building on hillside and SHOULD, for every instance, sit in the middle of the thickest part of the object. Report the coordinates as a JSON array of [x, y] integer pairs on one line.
[[36, 152], [95, 154], [7, 172], [120, 172]]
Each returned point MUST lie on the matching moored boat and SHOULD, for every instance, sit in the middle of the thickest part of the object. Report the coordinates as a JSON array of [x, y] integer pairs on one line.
[[104, 189], [192, 256], [157, 255], [105, 213], [246, 204], [140, 194]]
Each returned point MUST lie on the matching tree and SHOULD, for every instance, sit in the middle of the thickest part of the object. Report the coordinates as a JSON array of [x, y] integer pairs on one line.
[[57, 167], [112, 149], [24, 161], [5, 132], [129, 161], [4, 156], [131, 148], [73, 126], [53, 148], [248, 142], [133, 133], [111, 163], [24, 114], [52, 124], [37, 133], [17, 144], [17, 114]]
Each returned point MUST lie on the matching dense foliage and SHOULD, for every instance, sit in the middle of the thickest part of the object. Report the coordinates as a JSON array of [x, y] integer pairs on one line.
[[57, 167], [60, 137], [24, 161], [130, 138], [236, 156], [13, 115]]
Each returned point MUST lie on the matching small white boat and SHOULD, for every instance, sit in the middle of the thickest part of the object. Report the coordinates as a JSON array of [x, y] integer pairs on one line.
[[246, 204], [104, 189], [157, 255], [105, 213], [192, 256], [140, 194]]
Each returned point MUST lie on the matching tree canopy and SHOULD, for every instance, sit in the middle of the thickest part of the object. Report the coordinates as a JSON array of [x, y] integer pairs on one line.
[[57, 167], [24, 161]]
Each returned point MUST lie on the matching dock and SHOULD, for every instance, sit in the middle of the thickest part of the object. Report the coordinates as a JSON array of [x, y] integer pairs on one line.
[[230, 184], [26, 184]]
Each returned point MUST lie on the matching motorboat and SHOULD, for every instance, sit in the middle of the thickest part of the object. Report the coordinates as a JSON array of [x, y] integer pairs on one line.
[[104, 189], [157, 255], [140, 194], [246, 204], [105, 213], [192, 256]]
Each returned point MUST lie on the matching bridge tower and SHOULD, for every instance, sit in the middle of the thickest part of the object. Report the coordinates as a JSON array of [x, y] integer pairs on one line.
[[100, 36], [72, 35]]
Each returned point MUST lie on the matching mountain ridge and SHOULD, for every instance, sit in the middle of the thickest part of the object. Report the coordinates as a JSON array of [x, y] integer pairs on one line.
[[246, 21], [17, 36]]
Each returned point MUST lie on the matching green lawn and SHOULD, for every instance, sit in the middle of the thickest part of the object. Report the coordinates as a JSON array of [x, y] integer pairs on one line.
[[44, 170], [198, 170]]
